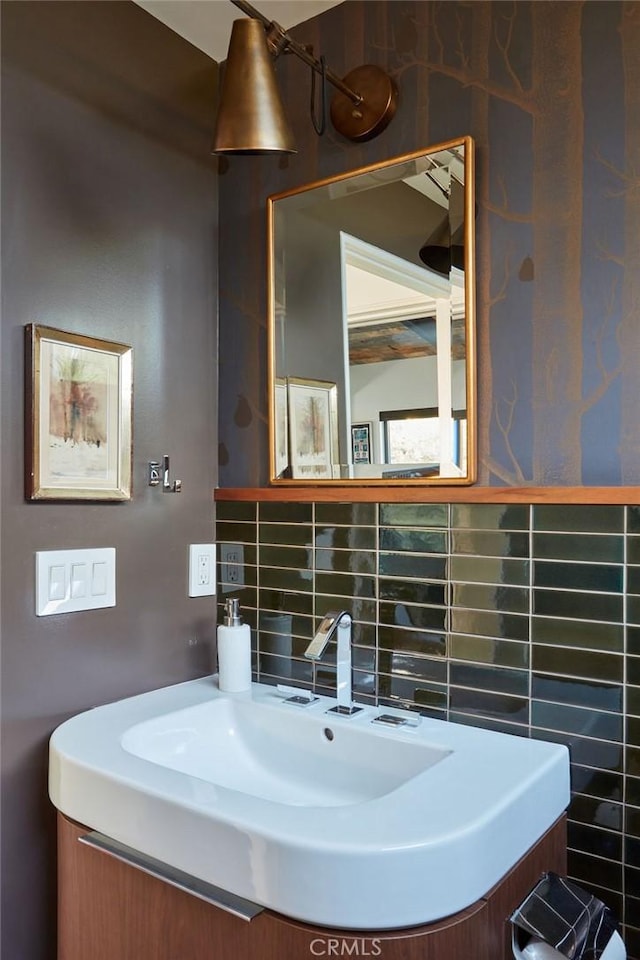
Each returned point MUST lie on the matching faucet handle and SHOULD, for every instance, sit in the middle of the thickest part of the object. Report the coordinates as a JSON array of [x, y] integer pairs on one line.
[[300, 695]]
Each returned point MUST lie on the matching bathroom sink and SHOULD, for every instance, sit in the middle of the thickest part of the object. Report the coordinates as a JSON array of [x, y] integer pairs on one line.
[[271, 755], [305, 812]]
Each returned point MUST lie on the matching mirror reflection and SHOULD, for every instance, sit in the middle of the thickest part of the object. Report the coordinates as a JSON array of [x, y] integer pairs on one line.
[[371, 324]]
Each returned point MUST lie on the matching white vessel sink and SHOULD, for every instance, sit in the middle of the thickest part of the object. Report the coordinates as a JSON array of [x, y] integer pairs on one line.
[[306, 812]]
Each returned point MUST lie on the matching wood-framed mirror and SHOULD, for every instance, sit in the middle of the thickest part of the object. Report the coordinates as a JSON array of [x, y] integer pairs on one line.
[[371, 324]]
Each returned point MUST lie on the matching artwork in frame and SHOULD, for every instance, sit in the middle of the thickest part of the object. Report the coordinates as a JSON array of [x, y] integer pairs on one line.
[[78, 416], [313, 428], [361, 442], [281, 427]]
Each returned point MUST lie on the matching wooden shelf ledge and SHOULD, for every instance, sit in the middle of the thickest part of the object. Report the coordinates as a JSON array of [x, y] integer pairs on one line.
[[426, 494]]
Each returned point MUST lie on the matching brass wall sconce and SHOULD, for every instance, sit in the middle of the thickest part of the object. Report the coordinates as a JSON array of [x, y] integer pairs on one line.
[[251, 117]]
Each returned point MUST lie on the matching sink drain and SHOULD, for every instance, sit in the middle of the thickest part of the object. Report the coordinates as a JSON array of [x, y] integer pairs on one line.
[[328, 732]]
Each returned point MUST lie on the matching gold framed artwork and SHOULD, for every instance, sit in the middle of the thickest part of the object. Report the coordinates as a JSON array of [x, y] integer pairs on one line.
[[313, 427], [78, 416]]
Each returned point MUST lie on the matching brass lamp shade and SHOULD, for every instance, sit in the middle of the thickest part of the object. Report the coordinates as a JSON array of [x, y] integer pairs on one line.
[[251, 117]]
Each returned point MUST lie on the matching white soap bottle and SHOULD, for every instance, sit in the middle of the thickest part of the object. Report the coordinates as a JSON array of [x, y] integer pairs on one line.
[[234, 650]]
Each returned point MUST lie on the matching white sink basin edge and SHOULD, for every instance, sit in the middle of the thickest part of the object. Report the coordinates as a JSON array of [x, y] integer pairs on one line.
[[306, 813]]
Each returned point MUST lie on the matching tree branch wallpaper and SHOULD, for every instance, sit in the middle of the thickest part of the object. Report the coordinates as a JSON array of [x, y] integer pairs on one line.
[[550, 92]]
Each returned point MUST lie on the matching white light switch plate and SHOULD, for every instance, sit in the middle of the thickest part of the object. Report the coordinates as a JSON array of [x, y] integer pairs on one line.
[[202, 570], [72, 580]]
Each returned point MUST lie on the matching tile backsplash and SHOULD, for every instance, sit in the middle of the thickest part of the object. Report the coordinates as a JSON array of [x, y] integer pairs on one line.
[[521, 618]]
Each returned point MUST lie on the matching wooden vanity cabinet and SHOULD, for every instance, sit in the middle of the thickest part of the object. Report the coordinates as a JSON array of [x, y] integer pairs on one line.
[[108, 910]]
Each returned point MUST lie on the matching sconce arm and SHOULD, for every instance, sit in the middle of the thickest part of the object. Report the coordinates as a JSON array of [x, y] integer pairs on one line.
[[280, 41]]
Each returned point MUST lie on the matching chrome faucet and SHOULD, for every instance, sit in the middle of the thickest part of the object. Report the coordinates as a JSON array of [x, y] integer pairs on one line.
[[340, 622]]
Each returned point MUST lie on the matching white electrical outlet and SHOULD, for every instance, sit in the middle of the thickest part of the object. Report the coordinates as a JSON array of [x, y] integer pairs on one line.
[[202, 569]]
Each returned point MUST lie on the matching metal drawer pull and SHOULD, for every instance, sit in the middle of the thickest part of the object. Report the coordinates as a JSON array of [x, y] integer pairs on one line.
[[238, 906]]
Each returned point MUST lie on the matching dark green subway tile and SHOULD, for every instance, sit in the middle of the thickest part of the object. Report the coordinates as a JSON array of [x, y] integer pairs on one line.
[[633, 640], [490, 570], [295, 557], [584, 751], [578, 633], [236, 510], [364, 659], [578, 663], [249, 575], [279, 629], [602, 785], [413, 541], [412, 591], [275, 578], [490, 544], [490, 516], [364, 686], [633, 701], [599, 842], [503, 653], [346, 538], [581, 546], [632, 930], [632, 791], [633, 610], [278, 511], [286, 534], [363, 634], [578, 518], [632, 821], [282, 601], [567, 719], [248, 597], [591, 871], [633, 519], [482, 623], [407, 615], [284, 670], [413, 567], [633, 731], [490, 597], [496, 679], [408, 665], [414, 515], [412, 641], [633, 550], [633, 580], [489, 723], [408, 690], [578, 606], [633, 761], [364, 683], [633, 671], [272, 666], [594, 694], [360, 609], [346, 585], [231, 531], [346, 514], [346, 561], [248, 552], [514, 709], [632, 882], [605, 578]]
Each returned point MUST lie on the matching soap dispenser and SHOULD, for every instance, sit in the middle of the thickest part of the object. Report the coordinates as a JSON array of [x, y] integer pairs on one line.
[[234, 650]]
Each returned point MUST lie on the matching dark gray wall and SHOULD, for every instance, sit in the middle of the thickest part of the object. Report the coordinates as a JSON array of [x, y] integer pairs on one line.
[[109, 229]]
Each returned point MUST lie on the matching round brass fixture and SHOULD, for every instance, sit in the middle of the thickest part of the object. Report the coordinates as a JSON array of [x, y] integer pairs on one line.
[[378, 102]]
